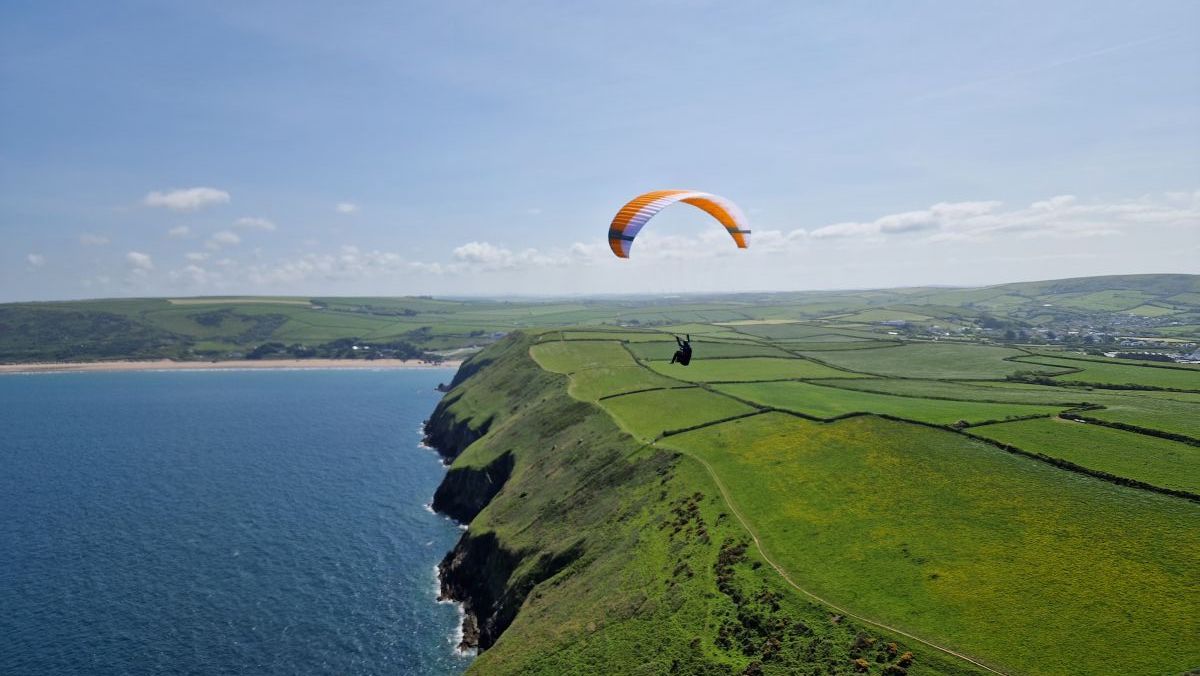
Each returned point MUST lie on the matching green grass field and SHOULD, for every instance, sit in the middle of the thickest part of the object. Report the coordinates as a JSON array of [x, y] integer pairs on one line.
[[597, 369], [1116, 374], [1159, 462], [1008, 559], [572, 356], [929, 360], [1010, 393], [703, 348], [752, 368], [1156, 413], [829, 402], [648, 414]]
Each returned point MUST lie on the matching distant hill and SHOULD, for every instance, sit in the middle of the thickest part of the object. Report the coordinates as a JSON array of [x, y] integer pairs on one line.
[[1166, 306]]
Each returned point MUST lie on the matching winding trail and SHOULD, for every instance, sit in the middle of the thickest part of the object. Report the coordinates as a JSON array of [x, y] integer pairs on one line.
[[786, 578], [745, 523]]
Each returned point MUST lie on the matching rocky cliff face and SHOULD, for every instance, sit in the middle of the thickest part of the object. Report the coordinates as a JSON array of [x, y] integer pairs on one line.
[[490, 580], [449, 435], [492, 583], [465, 491]]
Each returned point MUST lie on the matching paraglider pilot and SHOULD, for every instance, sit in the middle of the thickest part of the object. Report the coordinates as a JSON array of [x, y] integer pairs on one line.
[[684, 354]]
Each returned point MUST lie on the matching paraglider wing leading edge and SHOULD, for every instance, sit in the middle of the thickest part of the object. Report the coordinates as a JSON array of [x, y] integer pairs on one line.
[[630, 219]]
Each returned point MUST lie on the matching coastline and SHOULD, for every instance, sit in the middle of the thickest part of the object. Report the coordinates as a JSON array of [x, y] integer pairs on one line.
[[169, 365]]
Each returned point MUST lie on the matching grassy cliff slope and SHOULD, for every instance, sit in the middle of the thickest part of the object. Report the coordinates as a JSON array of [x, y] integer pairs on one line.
[[589, 552]]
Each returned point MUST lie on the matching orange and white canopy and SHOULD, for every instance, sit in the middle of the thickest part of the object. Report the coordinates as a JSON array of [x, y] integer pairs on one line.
[[630, 219]]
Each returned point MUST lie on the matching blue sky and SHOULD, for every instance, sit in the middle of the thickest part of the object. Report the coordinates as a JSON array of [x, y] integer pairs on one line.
[[171, 148]]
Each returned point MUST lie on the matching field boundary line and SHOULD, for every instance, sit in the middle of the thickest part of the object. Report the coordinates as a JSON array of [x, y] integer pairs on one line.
[[1126, 427], [1063, 404], [1087, 471], [786, 578], [1150, 365]]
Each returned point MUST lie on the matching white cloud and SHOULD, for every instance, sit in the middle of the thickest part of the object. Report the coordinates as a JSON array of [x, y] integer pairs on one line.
[[908, 221], [1062, 217], [487, 256], [186, 199], [346, 207], [35, 260], [88, 239], [249, 223], [222, 239], [196, 256], [140, 262], [193, 275], [179, 231], [534, 211], [350, 263]]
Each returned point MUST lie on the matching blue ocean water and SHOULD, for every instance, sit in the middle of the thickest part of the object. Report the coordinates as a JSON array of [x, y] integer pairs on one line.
[[221, 522]]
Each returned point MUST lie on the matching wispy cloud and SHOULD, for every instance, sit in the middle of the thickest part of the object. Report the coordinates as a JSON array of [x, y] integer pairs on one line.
[[139, 263], [346, 207], [1049, 65], [35, 260], [1061, 216], [221, 239], [88, 239], [179, 232], [186, 199], [193, 276]]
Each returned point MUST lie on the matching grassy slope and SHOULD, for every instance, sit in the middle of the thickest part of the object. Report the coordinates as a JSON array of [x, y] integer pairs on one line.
[[1012, 560], [645, 594]]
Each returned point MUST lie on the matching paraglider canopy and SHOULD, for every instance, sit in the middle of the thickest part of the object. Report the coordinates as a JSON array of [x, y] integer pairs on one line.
[[630, 219]]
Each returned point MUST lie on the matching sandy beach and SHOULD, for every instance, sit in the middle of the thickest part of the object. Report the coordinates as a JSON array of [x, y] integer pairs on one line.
[[168, 365]]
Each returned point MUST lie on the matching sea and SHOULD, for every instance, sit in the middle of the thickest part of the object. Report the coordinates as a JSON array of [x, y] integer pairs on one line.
[[222, 522]]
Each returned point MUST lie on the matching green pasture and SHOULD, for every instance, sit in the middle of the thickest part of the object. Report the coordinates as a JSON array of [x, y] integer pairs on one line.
[[1116, 374], [597, 369], [1172, 412], [831, 336], [888, 315], [697, 330], [828, 402], [1023, 565], [1113, 300], [1076, 356], [1009, 393], [705, 348], [1152, 311], [628, 336], [750, 368], [930, 360], [1186, 298], [1165, 415], [1002, 303], [806, 331], [1159, 462], [602, 381], [849, 344], [648, 414], [571, 356]]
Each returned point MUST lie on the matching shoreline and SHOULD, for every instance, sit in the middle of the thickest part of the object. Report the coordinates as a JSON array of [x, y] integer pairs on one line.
[[265, 364]]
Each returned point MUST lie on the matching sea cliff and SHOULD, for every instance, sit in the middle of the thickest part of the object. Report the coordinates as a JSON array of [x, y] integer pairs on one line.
[[588, 552]]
